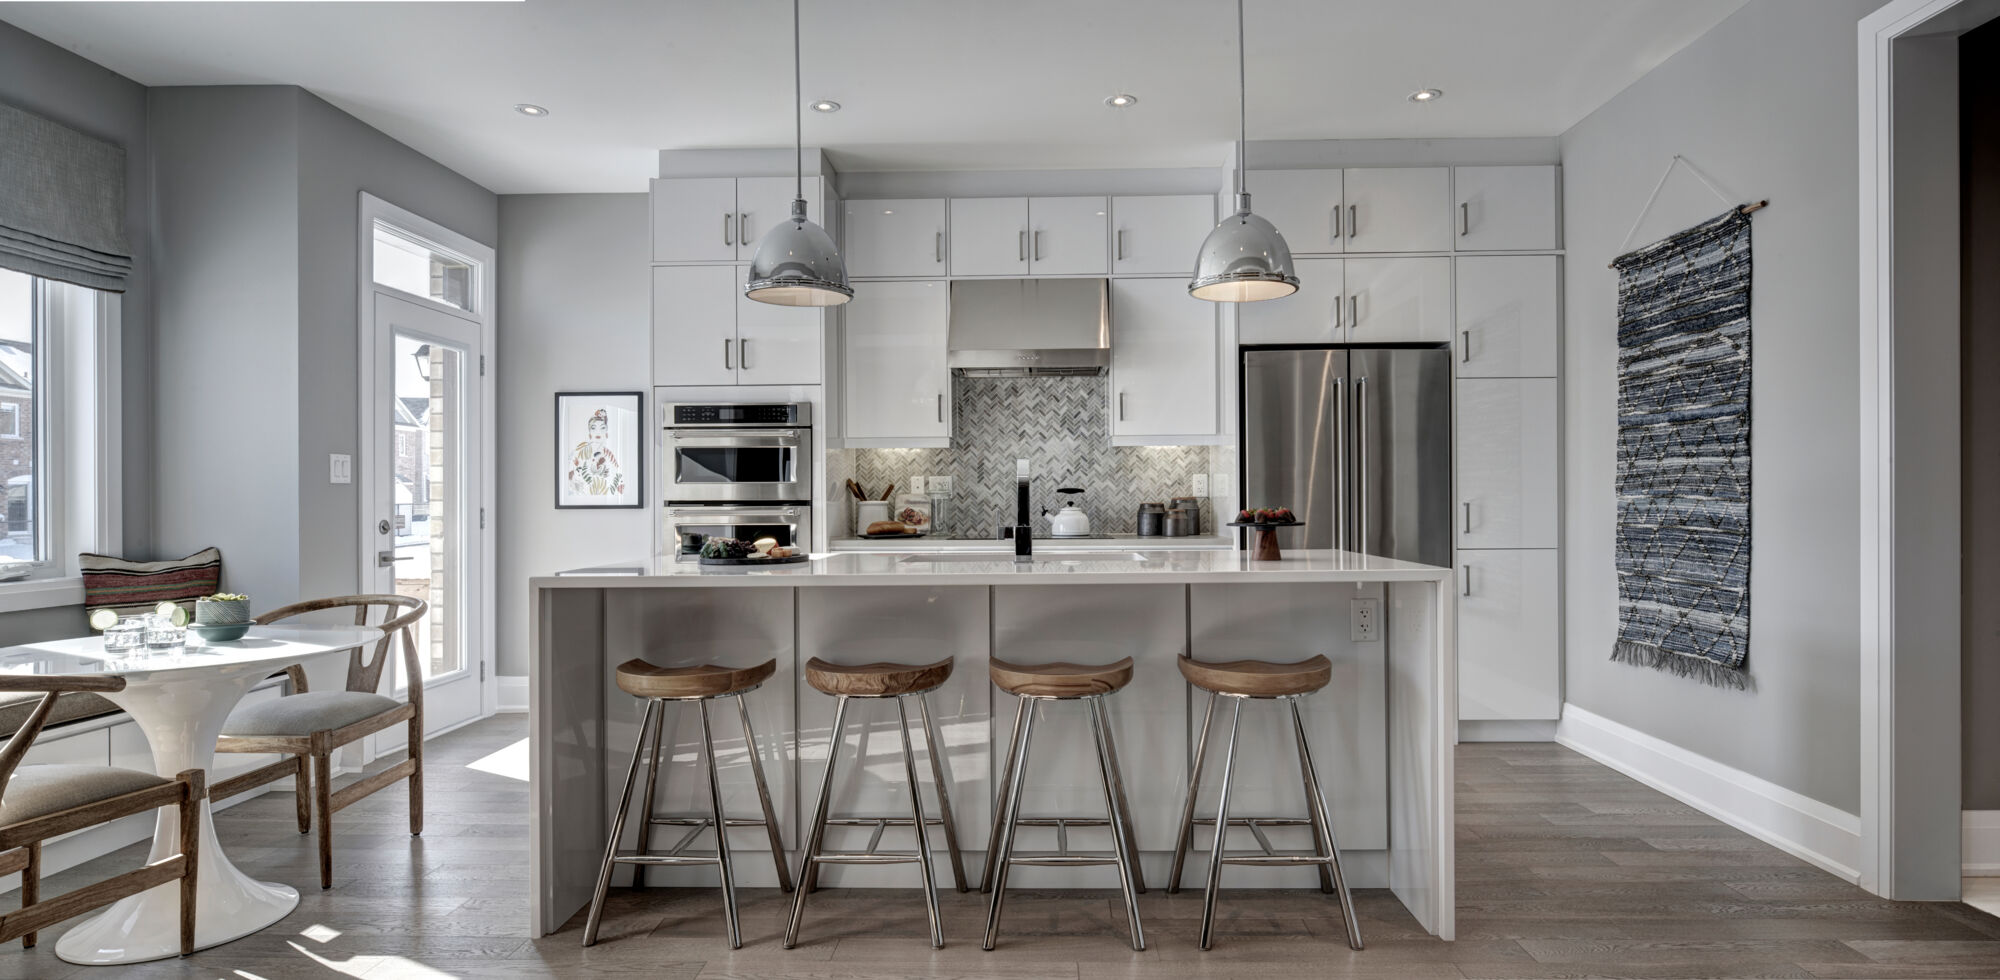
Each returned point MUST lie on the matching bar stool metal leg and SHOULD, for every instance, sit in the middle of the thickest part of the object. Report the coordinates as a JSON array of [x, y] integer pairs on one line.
[[1118, 818], [617, 831], [917, 824], [721, 832], [934, 747], [1323, 830], [764, 798], [1000, 804], [818, 832], [1186, 837], [1017, 768], [1221, 830], [1102, 714], [641, 871], [1320, 847]]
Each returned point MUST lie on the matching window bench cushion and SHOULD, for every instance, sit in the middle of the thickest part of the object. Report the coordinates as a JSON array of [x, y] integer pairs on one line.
[[37, 791], [72, 706], [303, 714]]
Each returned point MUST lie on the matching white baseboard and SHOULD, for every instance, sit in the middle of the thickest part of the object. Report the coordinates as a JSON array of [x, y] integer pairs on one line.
[[511, 693], [1798, 825], [1506, 731], [1979, 844]]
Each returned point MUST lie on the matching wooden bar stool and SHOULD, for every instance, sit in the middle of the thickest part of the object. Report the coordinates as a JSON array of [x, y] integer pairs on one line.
[[1242, 680], [1033, 684], [881, 680], [701, 684]]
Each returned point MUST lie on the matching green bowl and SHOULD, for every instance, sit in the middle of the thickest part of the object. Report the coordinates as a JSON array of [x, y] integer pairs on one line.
[[219, 632]]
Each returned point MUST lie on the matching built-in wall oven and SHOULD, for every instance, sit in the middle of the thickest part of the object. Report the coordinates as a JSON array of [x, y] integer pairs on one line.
[[739, 471]]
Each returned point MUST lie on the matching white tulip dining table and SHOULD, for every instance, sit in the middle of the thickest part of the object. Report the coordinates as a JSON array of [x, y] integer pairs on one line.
[[180, 698]]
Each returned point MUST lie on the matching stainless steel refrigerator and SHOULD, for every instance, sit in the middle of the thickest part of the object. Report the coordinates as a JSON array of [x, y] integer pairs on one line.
[[1357, 442]]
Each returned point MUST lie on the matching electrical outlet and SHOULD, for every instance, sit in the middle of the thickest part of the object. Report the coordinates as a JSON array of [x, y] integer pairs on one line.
[[916, 485], [1201, 484], [940, 485], [1366, 617], [340, 468]]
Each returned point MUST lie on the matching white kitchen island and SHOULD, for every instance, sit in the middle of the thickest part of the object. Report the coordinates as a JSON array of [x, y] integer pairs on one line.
[[1382, 732]]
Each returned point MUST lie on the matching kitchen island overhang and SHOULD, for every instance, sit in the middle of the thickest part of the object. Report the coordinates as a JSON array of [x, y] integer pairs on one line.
[[1388, 720]]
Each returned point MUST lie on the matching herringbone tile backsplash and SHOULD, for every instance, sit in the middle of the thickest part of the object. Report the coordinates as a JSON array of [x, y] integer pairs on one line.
[[1062, 427]]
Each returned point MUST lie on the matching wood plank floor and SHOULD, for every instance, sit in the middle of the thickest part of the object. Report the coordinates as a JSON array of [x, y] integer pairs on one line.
[[1567, 869]]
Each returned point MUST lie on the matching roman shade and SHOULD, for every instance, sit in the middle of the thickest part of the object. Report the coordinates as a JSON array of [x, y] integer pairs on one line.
[[62, 203]]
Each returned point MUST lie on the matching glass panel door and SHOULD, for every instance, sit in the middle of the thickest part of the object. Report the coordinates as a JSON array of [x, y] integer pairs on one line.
[[429, 494]]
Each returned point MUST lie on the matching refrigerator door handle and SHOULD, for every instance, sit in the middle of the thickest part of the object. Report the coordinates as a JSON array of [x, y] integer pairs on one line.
[[1339, 464], [1361, 464]]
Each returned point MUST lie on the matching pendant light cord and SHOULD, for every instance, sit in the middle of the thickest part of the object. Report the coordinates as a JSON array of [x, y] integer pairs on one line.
[[798, 107], [1242, 108]]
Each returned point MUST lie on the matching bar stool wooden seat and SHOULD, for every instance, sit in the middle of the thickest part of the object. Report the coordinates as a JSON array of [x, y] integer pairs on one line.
[[899, 682], [1034, 684], [699, 684], [1240, 681]]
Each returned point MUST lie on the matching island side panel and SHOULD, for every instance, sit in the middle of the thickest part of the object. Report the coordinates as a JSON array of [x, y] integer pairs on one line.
[[1423, 712], [684, 628], [1097, 624], [566, 767], [1346, 724], [896, 624]]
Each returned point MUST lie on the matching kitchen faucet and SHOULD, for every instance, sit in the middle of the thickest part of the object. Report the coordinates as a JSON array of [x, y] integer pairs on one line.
[[1024, 531]]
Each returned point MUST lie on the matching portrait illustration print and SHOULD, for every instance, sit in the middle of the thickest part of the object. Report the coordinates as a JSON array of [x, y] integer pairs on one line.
[[599, 450]]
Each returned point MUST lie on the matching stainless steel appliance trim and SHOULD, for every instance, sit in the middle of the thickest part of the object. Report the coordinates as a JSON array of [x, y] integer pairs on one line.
[[746, 438]]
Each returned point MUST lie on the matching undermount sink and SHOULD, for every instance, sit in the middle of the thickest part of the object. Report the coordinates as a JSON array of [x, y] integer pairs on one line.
[[992, 556]]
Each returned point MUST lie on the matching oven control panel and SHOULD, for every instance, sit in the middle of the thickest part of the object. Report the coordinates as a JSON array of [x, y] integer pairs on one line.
[[765, 414]]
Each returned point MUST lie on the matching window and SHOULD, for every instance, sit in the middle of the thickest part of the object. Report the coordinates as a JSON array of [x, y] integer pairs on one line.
[[56, 478], [419, 268]]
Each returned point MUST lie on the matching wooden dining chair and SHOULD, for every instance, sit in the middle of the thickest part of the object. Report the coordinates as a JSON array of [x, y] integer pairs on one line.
[[309, 725], [45, 801]]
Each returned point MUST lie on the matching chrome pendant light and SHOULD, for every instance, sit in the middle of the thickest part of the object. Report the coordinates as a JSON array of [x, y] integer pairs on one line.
[[796, 263], [1244, 259]]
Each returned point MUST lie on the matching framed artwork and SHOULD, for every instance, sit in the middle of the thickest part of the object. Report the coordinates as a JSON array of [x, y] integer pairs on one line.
[[600, 449]]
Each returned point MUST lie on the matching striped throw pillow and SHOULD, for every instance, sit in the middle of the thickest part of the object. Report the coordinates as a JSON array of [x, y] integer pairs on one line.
[[138, 586]]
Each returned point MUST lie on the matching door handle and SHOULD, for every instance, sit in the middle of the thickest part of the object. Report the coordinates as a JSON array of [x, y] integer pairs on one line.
[[726, 365], [743, 354], [1465, 347], [1121, 244], [1338, 320], [1336, 222], [1022, 246], [940, 401], [1464, 219], [743, 228], [1354, 308], [940, 246], [726, 240], [384, 559], [1466, 505], [1121, 406], [1038, 244], [1354, 221], [1465, 575]]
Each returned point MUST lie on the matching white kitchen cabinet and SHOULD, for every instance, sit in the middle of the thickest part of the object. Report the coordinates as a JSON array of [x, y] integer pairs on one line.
[[1398, 209], [1507, 437], [1398, 300], [694, 324], [1502, 208], [1066, 236], [721, 219], [1163, 360], [895, 238], [1509, 662], [989, 236], [1507, 316], [1159, 235], [776, 345], [1316, 314], [1304, 205], [897, 385]]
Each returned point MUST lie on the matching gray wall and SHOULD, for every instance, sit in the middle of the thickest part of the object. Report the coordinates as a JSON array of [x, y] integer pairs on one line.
[[575, 299], [1979, 106], [1764, 104], [49, 81]]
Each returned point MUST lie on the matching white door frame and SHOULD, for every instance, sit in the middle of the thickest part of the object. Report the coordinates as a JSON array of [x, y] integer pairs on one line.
[[482, 618]]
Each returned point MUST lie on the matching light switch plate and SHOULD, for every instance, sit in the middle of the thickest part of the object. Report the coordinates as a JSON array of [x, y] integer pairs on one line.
[[1366, 617], [340, 468]]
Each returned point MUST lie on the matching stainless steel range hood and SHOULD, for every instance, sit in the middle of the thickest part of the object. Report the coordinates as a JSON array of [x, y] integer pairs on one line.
[[1019, 327]]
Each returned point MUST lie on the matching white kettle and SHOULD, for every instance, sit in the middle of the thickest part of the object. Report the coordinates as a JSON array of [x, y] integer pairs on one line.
[[1070, 521]]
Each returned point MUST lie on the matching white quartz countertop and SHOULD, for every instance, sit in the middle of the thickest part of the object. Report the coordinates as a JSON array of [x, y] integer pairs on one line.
[[1108, 566], [1205, 542]]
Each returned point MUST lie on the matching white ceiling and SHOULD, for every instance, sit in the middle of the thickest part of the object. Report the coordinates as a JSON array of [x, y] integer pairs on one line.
[[926, 84]]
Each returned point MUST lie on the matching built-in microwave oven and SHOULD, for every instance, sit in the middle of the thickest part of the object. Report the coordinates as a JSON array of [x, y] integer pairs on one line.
[[737, 453], [790, 525]]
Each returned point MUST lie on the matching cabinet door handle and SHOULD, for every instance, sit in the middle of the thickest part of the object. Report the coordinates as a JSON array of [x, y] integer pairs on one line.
[[1121, 244], [940, 400], [940, 246], [1038, 244], [1121, 406], [1465, 347], [726, 365], [1338, 320], [1465, 575], [1336, 223], [743, 228], [1466, 506], [726, 219], [1354, 307], [1464, 219], [1354, 222], [743, 354], [1023, 245]]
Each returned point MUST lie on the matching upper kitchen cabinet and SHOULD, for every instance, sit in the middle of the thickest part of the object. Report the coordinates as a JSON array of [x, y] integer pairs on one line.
[[895, 238], [897, 389], [1316, 314], [706, 332], [721, 219], [1163, 363], [1506, 208], [1152, 235], [1304, 205], [1021, 236], [1398, 300], [1507, 463], [1507, 316], [1397, 209]]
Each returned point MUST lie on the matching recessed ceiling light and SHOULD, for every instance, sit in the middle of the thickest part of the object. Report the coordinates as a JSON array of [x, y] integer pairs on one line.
[[826, 105], [1426, 95], [530, 109], [1121, 101], [888, 211]]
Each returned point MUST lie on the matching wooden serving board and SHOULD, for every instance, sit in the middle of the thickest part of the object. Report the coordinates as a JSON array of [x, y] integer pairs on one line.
[[793, 560]]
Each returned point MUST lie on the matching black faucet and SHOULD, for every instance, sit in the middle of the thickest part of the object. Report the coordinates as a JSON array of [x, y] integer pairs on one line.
[[1024, 531]]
